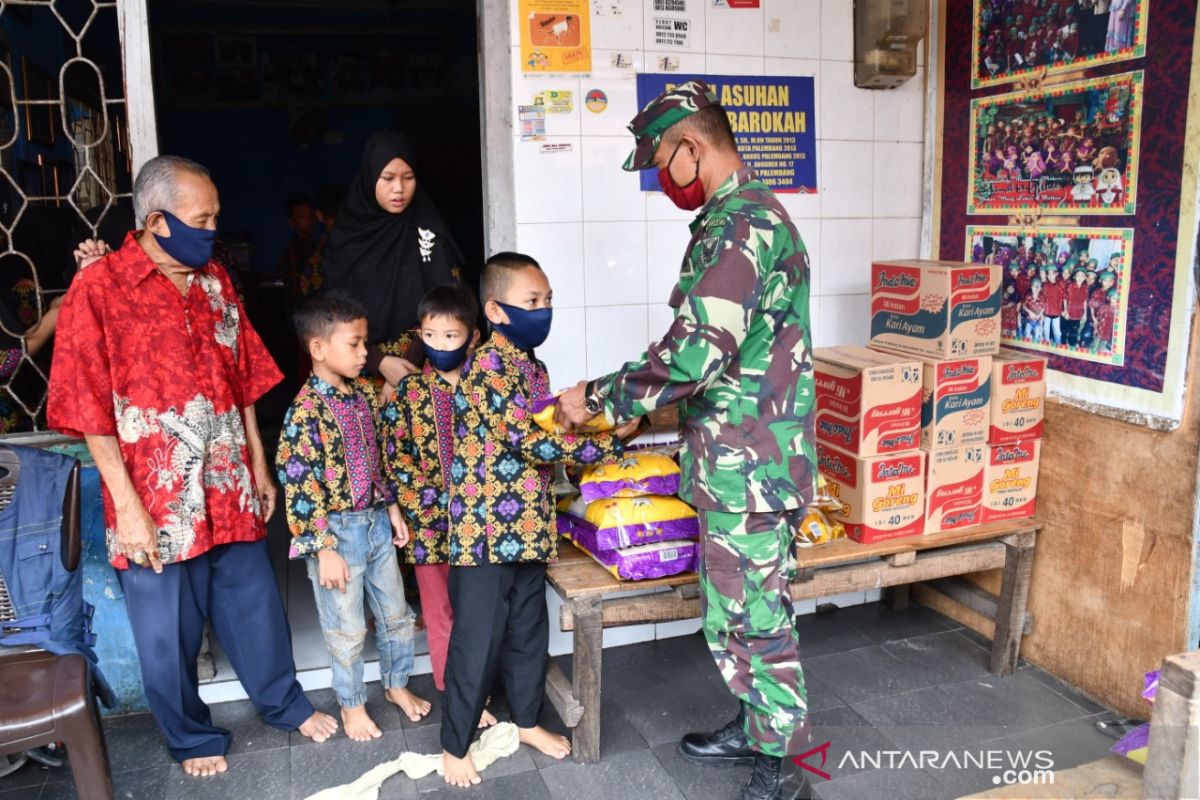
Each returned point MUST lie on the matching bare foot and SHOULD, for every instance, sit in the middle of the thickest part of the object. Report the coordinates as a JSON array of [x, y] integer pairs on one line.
[[487, 719], [412, 706], [204, 767], [359, 725], [549, 743], [319, 727], [459, 771]]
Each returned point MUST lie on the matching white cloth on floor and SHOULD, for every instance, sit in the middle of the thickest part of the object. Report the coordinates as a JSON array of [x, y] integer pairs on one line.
[[497, 742]]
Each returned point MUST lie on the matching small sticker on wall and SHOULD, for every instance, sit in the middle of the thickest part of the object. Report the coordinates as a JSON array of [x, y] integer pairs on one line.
[[555, 101], [671, 5], [533, 122], [550, 148], [668, 64], [596, 101], [738, 3], [672, 32], [621, 60], [608, 8]]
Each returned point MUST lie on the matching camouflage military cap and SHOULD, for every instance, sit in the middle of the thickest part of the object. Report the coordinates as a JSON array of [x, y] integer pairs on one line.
[[660, 114]]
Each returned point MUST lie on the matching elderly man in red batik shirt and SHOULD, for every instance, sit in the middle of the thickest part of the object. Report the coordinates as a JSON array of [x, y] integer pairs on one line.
[[158, 369]]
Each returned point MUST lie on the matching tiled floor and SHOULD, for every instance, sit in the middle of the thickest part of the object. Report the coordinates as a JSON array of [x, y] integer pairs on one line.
[[878, 680]]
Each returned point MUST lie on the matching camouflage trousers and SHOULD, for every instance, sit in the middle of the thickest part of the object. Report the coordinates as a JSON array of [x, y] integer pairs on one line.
[[745, 565]]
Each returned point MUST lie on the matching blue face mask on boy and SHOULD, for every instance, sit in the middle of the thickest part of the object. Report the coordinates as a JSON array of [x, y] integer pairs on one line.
[[526, 329], [447, 360], [192, 247]]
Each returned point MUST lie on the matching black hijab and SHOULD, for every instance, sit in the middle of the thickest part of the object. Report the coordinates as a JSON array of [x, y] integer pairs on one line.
[[388, 261]]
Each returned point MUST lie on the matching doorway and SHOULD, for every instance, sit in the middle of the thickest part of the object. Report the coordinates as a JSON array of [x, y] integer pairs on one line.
[[277, 98]]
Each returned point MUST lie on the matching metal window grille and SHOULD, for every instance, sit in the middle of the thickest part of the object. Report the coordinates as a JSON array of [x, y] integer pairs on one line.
[[64, 157]]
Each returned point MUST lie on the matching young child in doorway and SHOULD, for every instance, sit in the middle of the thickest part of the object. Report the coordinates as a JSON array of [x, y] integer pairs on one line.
[[418, 445], [342, 513], [502, 517]]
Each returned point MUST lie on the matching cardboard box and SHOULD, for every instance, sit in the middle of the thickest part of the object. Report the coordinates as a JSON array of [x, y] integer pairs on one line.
[[1018, 397], [936, 309], [868, 402], [954, 488], [884, 495], [1010, 480], [956, 402]]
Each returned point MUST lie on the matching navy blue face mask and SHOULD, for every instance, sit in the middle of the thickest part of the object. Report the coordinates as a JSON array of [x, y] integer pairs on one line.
[[447, 360], [526, 329], [192, 247]]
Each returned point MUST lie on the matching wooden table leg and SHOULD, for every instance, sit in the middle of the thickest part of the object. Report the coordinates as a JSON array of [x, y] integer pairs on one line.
[[1010, 611], [898, 597], [588, 646]]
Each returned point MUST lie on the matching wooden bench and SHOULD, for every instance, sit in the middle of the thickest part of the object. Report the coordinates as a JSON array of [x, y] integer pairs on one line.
[[594, 600]]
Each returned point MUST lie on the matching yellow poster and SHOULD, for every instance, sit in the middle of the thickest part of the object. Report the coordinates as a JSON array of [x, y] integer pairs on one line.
[[555, 36]]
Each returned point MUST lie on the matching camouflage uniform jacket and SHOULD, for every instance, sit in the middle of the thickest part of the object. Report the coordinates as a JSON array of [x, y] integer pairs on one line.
[[738, 357], [501, 506]]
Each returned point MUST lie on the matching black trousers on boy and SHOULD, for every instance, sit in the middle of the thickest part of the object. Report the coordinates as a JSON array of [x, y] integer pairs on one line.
[[501, 627]]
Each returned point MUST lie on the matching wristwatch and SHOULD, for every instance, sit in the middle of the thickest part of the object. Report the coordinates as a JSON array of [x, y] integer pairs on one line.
[[593, 400]]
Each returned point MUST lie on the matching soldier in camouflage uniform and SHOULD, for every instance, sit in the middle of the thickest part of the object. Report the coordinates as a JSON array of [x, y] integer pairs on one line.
[[738, 361]]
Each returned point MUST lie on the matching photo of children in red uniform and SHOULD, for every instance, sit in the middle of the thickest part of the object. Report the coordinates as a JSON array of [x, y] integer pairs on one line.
[[1015, 38], [1065, 291], [1069, 148]]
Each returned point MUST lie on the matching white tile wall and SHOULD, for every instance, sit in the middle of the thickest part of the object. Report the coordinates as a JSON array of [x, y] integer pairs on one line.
[[615, 334], [793, 28], [609, 192], [898, 179], [615, 263], [847, 172], [896, 238], [845, 256], [558, 247], [613, 252], [849, 112]]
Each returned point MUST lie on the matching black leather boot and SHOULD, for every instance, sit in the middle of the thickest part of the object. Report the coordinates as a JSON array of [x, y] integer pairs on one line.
[[773, 780], [723, 748]]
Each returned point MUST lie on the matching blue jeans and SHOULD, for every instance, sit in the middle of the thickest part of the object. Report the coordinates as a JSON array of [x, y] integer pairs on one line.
[[365, 542]]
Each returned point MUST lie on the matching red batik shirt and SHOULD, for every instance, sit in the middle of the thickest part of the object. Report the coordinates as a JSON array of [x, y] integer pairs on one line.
[[168, 374]]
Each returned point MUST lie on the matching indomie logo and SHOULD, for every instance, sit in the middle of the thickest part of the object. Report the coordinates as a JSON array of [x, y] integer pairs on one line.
[[836, 430], [962, 279], [900, 280], [899, 469], [954, 519], [1019, 372], [832, 464], [1014, 453], [892, 442], [963, 371]]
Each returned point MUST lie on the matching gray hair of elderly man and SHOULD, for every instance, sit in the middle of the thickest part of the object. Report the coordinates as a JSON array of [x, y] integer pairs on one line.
[[157, 185]]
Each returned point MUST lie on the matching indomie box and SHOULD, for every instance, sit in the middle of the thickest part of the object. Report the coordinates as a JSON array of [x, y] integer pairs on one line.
[[868, 402], [936, 309], [1010, 480], [1018, 397], [954, 488], [884, 496], [955, 402]]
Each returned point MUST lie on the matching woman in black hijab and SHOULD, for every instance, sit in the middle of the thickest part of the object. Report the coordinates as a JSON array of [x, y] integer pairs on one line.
[[389, 247]]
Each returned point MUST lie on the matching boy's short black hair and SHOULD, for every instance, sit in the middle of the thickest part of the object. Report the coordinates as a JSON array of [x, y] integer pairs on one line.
[[318, 313], [294, 200], [498, 271], [452, 301]]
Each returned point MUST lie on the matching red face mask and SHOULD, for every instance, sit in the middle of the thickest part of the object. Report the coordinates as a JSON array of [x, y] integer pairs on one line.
[[689, 197]]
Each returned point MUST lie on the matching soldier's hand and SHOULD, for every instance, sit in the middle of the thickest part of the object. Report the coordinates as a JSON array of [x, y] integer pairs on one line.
[[570, 410]]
